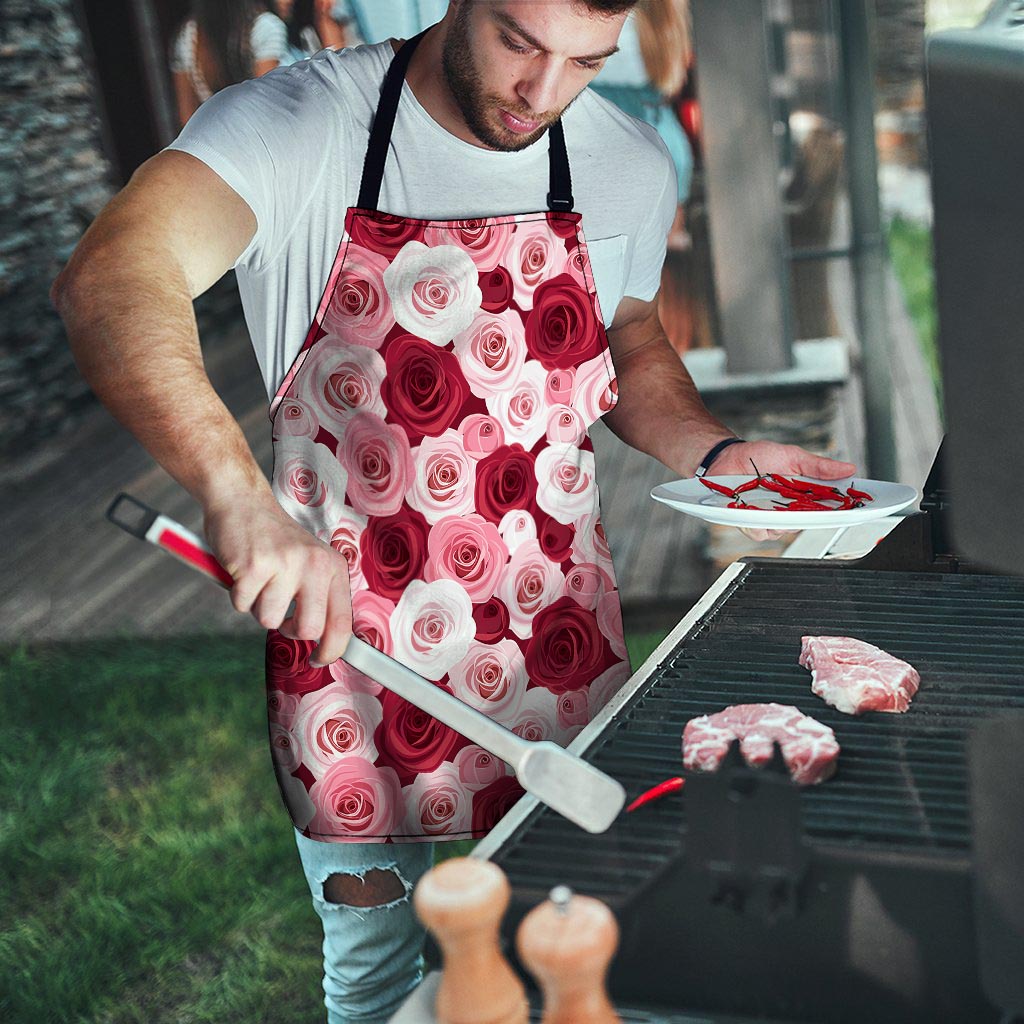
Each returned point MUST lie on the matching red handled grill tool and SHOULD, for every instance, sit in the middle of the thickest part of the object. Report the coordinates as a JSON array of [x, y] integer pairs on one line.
[[565, 783]]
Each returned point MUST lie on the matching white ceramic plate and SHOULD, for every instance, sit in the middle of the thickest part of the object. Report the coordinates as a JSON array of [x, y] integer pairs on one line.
[[693, 498]]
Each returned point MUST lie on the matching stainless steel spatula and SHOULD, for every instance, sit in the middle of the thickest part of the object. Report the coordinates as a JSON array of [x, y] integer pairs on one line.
[[567, 784]]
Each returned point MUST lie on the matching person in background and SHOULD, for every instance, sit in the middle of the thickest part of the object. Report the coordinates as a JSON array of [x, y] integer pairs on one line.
[[648, 73], [221, 43], [314, 25]]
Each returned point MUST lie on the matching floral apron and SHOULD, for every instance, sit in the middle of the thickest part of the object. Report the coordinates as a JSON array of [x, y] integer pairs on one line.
[[433, 430]]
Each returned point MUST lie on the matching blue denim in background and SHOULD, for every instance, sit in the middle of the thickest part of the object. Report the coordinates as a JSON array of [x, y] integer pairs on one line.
[[372, 955]]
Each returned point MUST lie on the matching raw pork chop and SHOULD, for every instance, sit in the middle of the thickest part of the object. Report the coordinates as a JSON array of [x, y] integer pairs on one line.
[[855, 677], [809, 748]]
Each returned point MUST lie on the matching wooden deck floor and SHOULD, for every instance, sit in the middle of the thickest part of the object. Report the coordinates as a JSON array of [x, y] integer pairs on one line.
[[71, 575]]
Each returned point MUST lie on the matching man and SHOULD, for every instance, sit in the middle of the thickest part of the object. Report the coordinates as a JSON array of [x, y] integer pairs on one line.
[[433, 378]]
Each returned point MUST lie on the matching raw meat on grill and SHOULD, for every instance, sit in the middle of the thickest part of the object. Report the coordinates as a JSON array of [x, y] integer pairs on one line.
[[855, 677], [809, 748]]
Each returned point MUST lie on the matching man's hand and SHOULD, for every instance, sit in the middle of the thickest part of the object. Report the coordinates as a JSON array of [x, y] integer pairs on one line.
[[275, 562], [771, 457]]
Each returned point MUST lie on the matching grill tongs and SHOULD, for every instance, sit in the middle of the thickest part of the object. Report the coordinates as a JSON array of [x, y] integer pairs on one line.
[[562, 781]]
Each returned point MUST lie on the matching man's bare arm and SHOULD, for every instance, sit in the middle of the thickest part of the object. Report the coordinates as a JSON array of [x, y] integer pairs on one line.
[[660, 411], [126, 300]]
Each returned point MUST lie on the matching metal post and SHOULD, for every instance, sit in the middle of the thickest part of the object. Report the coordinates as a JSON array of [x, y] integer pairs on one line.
[[748, 236], [868, 239]]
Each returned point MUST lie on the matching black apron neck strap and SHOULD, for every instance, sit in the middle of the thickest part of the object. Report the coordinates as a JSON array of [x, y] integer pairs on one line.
[[559, 197]]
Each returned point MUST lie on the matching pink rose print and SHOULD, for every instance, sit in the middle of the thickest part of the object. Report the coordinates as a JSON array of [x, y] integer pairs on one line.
[[492, 351], [565, 426], [283, 748], [533, 257], [350, 680], [413, 741], [444, 477], [606, 685], [433, 290], [424, 388], [371, 620], [562, 329], [484, 241], [559, 385], [576, 266], [478, 768], [393, 551], [333, 724], [437, 803], [530, 582], [515, 527], [492, 679], [586, 583], [566, 482], [295, 418], [468, 550], [594, 389], [537, 717], [432, 626], [609, 620], [281, 707], [379, 463], [339, 381], [356, 799], [573, 714], [491, 620], [497, 290], [383, 232], [505, 482], [490, 805], [520, 408], [288, 667], [345, 538], [481, 435], [590, 544], [569, 650], [309, 483], [359, 310]]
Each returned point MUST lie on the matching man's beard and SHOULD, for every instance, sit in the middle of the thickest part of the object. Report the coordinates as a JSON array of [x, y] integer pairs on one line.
[[464, 83]]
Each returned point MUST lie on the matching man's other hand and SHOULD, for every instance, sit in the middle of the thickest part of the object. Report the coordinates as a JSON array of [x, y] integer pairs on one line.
[[771, 457], [275, 562]]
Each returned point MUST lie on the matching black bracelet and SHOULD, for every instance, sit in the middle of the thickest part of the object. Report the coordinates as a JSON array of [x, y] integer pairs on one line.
[[705, 463]]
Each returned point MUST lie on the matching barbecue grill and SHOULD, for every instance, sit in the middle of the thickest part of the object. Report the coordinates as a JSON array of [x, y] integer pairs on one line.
[[893, 892]]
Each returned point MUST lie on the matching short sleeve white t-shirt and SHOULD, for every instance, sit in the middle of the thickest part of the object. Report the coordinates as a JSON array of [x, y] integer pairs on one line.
[[292, 143]]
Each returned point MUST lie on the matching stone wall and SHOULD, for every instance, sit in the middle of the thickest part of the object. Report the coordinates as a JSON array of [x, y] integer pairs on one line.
[[54, 178]]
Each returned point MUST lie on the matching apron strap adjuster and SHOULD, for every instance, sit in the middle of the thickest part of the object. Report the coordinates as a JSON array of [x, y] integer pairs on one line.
[[560, 204]]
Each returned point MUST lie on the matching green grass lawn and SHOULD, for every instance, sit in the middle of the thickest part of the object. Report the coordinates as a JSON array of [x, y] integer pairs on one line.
[[148, 868], [910, 247]]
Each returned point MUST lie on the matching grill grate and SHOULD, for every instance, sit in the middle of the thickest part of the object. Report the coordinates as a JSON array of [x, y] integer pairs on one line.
[[902, 779]]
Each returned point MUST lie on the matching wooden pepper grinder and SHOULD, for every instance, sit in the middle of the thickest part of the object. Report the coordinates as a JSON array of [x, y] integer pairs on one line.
[[462, 901], [567, 942]]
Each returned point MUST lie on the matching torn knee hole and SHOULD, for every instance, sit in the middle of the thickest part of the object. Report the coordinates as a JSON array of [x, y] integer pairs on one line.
[[374, 889]]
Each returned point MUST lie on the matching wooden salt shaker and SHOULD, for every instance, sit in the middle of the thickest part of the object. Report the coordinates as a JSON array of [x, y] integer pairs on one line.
[[567, 943], [462, 901]]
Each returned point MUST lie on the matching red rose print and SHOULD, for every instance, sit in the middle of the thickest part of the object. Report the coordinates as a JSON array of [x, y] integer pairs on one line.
[[288, 667], [562, 329], [555, 539], [383, 233], [424, 389], [505, 481], [497, 289], [491, 620], [411, 741], [567, 650], [564, 225], [393, 550], [491, 804]]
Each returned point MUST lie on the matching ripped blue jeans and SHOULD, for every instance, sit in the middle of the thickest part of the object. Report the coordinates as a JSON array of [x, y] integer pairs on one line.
[[372, 954]]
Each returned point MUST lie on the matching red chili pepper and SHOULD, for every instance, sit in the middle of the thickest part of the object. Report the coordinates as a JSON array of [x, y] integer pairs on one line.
[[720, 488], [656, 793], [749, 485], [863, 495], [808, 487]]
